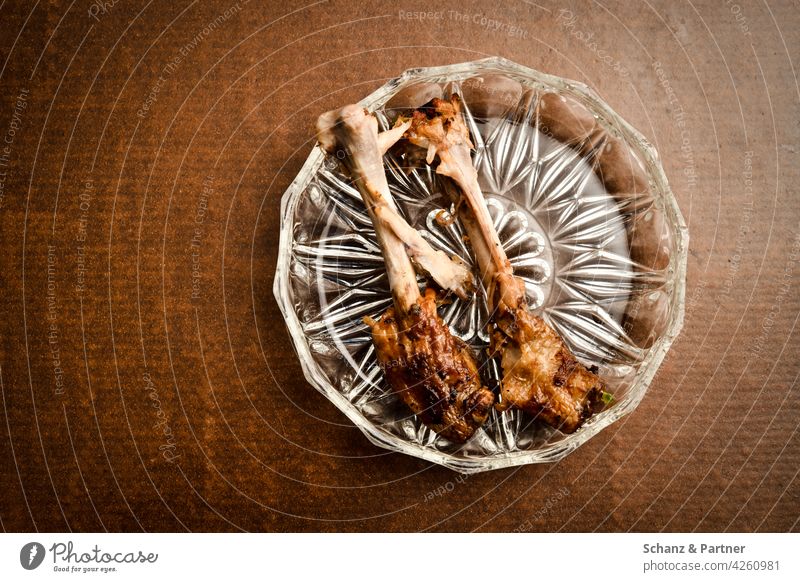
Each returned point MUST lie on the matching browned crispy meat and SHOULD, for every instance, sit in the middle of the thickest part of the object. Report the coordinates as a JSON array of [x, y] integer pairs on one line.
[[540, 375], [433, 372]]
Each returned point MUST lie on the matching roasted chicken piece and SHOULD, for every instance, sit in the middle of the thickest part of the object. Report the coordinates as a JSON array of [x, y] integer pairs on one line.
[[434, 373], [540, 374]]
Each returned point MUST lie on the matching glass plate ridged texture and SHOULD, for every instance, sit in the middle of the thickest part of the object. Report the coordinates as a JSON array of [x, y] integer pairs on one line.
[[587, 219]]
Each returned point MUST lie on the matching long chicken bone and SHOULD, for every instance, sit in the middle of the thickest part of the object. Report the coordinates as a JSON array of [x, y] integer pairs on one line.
[[354, 132], [432, 371], [540, 374]]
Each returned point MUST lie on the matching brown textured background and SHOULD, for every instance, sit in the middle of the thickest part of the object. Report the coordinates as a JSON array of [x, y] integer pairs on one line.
[[713, 446]]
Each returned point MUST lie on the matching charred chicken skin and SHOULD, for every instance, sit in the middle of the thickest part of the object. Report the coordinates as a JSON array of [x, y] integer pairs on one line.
[[540, 374], [433, 373]]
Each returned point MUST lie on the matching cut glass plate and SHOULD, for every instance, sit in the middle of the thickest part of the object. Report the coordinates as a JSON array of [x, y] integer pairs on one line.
[[583, 208]]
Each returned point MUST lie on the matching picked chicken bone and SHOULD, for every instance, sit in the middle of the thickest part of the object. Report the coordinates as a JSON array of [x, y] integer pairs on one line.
[[434, 373], [353, 131], [540, 374]]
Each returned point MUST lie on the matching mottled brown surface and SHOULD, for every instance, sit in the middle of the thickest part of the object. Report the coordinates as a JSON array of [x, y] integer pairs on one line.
[[434, 373], [540, 375], [713, 446]]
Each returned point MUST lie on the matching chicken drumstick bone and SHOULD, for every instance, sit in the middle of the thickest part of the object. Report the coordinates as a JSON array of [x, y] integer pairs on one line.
[[434, 373], [540, 374]]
